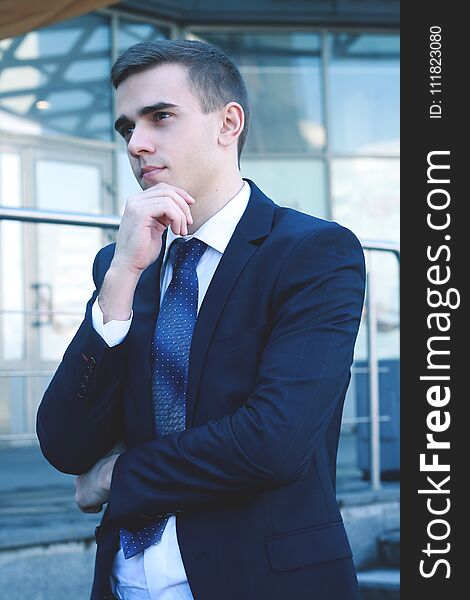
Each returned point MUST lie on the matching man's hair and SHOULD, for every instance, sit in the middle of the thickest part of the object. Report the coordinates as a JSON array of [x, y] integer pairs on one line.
[[212, 75]]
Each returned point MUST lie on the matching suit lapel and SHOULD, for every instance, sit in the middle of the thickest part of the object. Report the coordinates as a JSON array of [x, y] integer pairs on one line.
[[253, 227]]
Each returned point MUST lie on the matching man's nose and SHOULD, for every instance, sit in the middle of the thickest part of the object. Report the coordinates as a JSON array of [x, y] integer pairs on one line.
[[141, 142]]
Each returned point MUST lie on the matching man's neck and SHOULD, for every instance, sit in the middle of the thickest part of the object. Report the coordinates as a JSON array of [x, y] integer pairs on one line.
[[213, 200]]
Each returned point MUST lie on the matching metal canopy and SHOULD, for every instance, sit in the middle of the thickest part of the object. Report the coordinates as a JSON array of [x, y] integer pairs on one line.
[[378, 13], [20, 16]]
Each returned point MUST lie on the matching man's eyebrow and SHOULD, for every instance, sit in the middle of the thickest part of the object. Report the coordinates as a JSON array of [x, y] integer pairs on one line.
[[145, 110]]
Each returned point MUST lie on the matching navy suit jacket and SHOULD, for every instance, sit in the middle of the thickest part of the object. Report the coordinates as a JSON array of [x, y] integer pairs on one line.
[[252, 478]]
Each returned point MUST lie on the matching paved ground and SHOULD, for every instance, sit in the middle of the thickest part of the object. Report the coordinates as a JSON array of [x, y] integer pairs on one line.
[[24, 467], [46, 543], [54, 573], [37, 502], [47, 547]]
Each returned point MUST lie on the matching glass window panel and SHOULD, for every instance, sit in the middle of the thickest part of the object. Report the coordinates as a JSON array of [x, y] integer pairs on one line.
[[12, 331], [13, 410], [62, 185], [384, 267], [54, 80], [364, 85], [98, 41], [10, 179], [128, 185], [282, 75], [49, 42], [87, 70], [64, 284], [11, 262], [299, 184], [365, 194], [354, 449], [134, 32]]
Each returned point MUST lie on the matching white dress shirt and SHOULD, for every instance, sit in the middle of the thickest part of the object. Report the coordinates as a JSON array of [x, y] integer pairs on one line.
[[158, 573]]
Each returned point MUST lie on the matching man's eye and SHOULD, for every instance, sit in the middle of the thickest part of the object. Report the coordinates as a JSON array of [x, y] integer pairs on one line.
[[126, 132], [163, 115]]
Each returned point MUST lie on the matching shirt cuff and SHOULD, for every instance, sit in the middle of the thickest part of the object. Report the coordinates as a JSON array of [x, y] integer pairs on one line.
[[113, 332]]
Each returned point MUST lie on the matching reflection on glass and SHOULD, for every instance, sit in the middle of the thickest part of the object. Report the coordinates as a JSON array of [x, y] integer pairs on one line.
[[364, 89], [70, 186], [383, 280], [365, 194], [54, 80], [282, 75], [366, 200], [19, 400], [12, 291], [354, 450], [134, 32], [299, 184], [63, 285], [11, 262], [10, 179], [128, 185], [13, 408]]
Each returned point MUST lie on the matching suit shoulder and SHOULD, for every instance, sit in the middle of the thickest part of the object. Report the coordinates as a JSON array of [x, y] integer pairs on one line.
[[298, 226]]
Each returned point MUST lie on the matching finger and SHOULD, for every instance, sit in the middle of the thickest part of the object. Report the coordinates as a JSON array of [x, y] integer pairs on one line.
[[183, 212], [172, 196], [184, 207], [175, 218]]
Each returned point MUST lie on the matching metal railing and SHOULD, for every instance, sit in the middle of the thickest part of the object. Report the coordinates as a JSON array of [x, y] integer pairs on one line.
[[112, 222]]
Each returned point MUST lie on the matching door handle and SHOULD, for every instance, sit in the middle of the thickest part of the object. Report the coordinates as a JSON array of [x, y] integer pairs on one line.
[[42, 297]]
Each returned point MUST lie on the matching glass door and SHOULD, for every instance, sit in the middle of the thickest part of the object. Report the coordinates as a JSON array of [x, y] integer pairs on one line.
[[46, 271]]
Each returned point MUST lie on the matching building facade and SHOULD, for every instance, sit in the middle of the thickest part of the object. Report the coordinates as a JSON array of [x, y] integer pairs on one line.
[[323, 82]]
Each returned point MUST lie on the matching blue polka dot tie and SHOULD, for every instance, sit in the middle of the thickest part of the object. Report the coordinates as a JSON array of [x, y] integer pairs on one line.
[[170, 362]]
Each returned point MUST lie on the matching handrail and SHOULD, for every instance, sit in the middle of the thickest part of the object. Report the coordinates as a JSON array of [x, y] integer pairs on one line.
[[30, 215], [33, 215], [379, 246]]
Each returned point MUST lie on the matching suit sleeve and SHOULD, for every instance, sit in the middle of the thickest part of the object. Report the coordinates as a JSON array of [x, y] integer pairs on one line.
[[303, 375], [79, 418]]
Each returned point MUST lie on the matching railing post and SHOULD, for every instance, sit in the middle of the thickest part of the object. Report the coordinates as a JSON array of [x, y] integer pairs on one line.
[[374, 408]]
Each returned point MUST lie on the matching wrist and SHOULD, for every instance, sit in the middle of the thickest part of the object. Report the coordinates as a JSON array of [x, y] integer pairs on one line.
[[124, 272], [116, 296], [106, 473]]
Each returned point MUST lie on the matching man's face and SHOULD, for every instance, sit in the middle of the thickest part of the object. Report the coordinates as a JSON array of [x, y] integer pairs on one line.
[[168, 137]]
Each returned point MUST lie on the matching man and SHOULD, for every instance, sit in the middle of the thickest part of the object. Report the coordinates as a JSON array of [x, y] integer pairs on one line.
[[225, 488]]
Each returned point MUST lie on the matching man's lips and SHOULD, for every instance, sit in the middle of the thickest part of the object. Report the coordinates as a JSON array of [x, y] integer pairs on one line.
[[149, 171]]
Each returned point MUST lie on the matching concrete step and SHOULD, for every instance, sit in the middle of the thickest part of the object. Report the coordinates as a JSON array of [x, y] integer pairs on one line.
[[389, 548], [42, 516], [379, 584], [58, 571]]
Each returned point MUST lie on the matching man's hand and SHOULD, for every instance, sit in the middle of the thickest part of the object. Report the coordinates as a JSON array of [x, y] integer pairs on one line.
[[139, 242], [92, 488], [145, 218]]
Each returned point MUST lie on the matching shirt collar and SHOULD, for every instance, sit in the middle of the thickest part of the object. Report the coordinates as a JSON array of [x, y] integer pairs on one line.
[[217, 231]]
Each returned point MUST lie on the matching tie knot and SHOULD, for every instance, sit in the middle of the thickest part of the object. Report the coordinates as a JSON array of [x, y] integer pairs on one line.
[[186, 255]]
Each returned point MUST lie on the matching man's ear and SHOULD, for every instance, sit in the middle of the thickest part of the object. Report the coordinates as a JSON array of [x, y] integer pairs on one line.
[[233, 122]]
